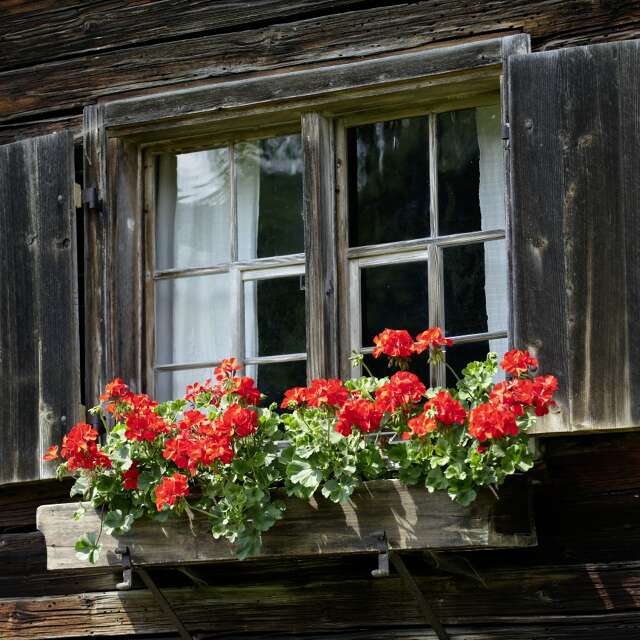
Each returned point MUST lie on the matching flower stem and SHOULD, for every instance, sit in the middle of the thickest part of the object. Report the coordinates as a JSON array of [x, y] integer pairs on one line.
[[446, 364]]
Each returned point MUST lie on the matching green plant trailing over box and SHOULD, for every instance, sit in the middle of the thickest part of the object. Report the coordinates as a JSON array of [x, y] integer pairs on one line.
[[217, 453]]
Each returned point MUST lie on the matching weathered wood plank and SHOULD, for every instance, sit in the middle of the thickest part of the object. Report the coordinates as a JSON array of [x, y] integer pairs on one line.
[[39, 341], [18, 502], [576, 201], [411, 518], [70, 84], [511, 597], [83, 26], [319, 242]]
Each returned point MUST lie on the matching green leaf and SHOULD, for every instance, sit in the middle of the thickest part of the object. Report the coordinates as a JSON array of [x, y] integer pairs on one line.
[[339, 491], [88, 548], [80, 486]]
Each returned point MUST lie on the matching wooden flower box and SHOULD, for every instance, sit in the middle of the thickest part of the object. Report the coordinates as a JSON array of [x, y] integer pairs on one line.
[[410, 517]]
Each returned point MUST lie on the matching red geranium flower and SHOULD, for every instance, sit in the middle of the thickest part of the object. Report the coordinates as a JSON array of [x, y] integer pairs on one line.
[[51, 453], [130, 476], [115, 390], [242, 421], [543, 389], [395, 343], [359, 413], [80, 450], [431, 338], [295, 394], [170, 489], [245, 387], [227, 369], [518, 361], [327, 392], [420, 426], [446, 409], [402, 389], [491, 421], [195, 390]]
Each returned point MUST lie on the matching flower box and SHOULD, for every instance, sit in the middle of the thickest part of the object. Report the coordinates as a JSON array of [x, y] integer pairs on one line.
[[411, 518]]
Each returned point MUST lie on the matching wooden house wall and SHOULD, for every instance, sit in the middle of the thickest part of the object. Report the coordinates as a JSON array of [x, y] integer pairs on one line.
[[583, 579]]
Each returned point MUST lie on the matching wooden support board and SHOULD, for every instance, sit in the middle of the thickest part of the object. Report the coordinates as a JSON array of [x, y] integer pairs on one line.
[[411, 517]]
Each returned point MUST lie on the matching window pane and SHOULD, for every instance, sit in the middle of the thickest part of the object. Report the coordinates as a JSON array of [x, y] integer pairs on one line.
[[475, 288], [274, 316], [274, 379], [193, 321], [173, 384], [394, 297], [380, 368], [269, 189], [192, 212], [470, 170], [388, 164], [459, 356]]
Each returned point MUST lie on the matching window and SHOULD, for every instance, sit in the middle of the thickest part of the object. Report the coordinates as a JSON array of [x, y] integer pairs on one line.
[[229, 263], [426, 223], [425, 237]]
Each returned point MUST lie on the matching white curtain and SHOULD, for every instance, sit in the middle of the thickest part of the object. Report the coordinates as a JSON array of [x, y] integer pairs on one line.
[[193, 314], [492, 208]]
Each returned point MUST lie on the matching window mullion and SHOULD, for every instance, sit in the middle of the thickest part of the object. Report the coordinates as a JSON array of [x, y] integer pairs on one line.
[[435, 270], [237, 315], [320, 249]]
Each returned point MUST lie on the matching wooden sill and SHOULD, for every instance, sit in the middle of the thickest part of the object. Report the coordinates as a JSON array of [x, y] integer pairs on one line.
[[411, 517]]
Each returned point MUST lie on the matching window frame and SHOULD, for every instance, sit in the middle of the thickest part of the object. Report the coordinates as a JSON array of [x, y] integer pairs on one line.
[[120, 134]]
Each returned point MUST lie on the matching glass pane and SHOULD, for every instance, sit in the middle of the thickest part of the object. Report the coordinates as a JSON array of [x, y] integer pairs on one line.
[[193, 321], [475, 288], [173, 384], [388, 164], [394, 297], [269, 188], [192, 212], [275, 316], [274, 379], [470, 170], [459, 356], [380, 368]]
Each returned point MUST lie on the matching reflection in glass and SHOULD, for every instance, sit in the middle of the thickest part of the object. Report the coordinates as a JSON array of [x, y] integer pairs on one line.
[[394, 297], [470, 170], [193, 319], [274, 379], [172, 384], [388, 164], [274, 316], [269, 196], [192, 212], [475, 286]]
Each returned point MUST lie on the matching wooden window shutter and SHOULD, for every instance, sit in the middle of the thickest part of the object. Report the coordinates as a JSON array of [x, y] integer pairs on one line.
[[575, 197], [39, 336]]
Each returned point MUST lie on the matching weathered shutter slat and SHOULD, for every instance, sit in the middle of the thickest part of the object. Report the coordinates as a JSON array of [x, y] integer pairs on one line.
[[39, 343], [575, 166]]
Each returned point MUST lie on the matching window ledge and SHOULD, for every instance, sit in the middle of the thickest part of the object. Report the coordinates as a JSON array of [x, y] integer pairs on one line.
[[411, 518]]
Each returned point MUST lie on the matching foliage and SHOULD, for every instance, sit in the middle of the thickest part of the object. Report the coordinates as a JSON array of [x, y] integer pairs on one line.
[[216, 453]]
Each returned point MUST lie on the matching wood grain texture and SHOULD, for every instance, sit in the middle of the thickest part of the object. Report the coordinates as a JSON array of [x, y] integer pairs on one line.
[[39, 335], [320, 249], [607, 592], [411, 517], [576, 217], [68, 84]]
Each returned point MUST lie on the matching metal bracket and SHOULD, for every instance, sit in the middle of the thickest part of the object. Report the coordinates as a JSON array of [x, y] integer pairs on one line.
[[163, 603], [90, 198], [384, 556]]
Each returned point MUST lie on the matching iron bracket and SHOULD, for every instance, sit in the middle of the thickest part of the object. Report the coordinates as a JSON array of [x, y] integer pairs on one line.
[[163, 603], [386, 555], [90, 198]]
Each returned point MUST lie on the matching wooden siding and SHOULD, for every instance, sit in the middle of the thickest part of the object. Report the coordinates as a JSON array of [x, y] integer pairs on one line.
[[102, 51], [575, 135], [39, 339]]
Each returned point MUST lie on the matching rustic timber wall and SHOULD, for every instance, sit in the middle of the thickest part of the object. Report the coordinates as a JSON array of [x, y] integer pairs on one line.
[[583, 580]]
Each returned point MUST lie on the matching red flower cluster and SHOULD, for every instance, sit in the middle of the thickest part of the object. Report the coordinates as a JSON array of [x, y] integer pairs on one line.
[[197, 389], [395, 343], [420, 426], [432, 338], [517, 362], [245, 387], [359, 413], [227, 369], [402, 389], [170, 489], [446, 409], [321, 392], [519, 393], [240, 420], [142, 422], [130, 476], [80, 450], [492, 421]]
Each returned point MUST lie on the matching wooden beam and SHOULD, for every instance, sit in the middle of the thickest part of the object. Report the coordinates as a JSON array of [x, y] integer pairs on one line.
[[319, 242], [546, 595], [411, 517]]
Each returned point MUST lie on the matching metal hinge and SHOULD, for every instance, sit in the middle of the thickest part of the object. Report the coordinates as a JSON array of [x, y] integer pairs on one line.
[[506, 131], [90, 198]]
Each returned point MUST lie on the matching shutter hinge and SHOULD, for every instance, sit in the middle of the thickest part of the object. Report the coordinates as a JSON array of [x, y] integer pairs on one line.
[[90, 198], [506, 131]]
